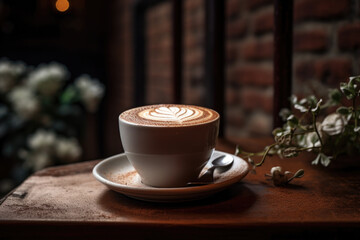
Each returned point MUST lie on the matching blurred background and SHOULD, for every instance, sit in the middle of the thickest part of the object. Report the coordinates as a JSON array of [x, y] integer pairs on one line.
[[95, 38]]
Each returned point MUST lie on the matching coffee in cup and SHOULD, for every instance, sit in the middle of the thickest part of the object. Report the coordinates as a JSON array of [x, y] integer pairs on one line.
[[168, 144]]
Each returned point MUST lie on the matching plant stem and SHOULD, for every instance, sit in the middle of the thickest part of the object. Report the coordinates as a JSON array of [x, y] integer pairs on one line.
[[249, 154], [355, 112], [246, 154], [265, 154], [315, 128]]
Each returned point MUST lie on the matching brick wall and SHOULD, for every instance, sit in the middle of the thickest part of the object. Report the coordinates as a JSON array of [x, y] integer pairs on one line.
[[326, 51], [159, 58], [249, 68], [326, 43], [159, 46]]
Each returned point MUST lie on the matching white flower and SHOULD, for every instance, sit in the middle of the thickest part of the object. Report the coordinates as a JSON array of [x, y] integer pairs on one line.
[[91, 91], [41, 145], [39, 159], [277, 176], [68, 149], [275, 169], [333, 124], [48, 79], [9, 72], [354, 77], [312, 140], [42, 140], [24, 102], [281, 178]]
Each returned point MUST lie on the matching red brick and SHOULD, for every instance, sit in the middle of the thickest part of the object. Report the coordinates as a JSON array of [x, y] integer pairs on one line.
[[194, 95], [193, 41], [257, 50], [349, 36], [264, 22], [311, 40], [156, 30], [157, 95], [256, 75], [260, 124], [331, 71], [166, 72], [194, 58], [235, 119], [235, 29], [304, 70], [193, 4], [233, 8], [232, 97], [320, 9], [192, 24], [252, 99], [231, 53], [159, 45], [254, 4]]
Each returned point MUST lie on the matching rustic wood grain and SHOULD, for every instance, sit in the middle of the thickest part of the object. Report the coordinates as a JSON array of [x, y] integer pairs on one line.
[[68, 202]]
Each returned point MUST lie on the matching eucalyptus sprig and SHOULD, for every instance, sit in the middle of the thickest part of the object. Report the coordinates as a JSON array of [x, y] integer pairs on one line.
[[281, 178], [306, 129]]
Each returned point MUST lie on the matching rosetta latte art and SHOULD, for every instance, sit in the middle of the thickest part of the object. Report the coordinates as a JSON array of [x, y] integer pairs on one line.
[[171, 114]]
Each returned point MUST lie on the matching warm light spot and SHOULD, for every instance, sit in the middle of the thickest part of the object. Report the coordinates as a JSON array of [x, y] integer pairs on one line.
[[62, 5]]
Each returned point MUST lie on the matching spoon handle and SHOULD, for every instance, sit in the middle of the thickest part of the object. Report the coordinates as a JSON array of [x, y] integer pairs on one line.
[[208, 176]]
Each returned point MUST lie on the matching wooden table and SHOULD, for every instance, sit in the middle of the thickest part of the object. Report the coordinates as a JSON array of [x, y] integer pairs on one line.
[[67, 202]]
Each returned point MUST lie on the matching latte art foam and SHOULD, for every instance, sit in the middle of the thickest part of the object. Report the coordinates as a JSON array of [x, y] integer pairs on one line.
[[169, 115], [178, 114]]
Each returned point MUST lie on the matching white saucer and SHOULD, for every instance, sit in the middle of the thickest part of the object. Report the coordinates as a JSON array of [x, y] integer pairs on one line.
[[119, 175]]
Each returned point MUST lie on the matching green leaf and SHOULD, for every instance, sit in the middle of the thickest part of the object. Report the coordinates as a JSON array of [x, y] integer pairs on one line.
[[357, 129], [300, 173], [284, 113], [323, 159], [251, 162], [70, 95], [343, 110], [293, 99], [312, 101], [334, 96], [277, 131], [303, 101], [238, 150], [292, 121], [316, 160], [314, 139], [353, 80], [300, 140], [316, 109], [301, 108], [348, 90]]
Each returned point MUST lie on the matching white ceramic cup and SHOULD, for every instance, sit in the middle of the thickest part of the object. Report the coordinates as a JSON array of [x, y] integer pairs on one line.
[[169, 156]]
